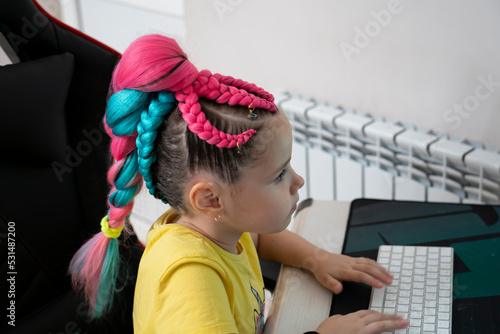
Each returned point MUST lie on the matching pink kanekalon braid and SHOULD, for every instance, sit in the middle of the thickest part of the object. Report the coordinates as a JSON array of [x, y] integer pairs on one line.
[[223, 90]]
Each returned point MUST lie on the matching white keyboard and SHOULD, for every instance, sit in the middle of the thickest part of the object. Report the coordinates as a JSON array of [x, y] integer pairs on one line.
[[422, 288]]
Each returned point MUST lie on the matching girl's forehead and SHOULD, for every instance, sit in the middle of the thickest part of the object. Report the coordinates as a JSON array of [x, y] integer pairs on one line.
[[275, 143]]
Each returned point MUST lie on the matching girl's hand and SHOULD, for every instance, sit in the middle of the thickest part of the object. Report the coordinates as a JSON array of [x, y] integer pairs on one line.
[[332, 269], [362, 322]]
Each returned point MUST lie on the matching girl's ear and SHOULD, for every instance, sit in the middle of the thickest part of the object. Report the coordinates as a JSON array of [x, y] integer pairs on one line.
[[204, 198]]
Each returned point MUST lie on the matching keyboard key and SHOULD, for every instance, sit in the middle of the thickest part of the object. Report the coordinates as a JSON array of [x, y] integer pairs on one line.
[[415, 315], [390, 304], [378, 297], [416, 307], [405, 293], [446, 251], [418, 292], [404, 301], [429, 310], [443, 324], [393, 296], [444, 301], [419, 278], [445, 272], [392, 289], [397, 256], [417, 300], [420, 258], [403, 308], [420, 265], [397, 249], [407, 273], [444, 293], [429, 327], [430, 296], [385, 249], [409, 251], [432, 289], [421, 250], [445, 279], [429, 319], [444, 308], [430, 304]]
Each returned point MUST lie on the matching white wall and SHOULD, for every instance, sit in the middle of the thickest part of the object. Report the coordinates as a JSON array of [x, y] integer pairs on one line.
[[426, 63], [419, 63], [64, 10], [118, 22]]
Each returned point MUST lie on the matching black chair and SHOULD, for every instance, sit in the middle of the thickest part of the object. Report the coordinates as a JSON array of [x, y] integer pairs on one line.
[[53, 163]]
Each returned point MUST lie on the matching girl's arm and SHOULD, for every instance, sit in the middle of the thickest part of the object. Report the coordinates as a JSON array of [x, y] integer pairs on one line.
[[329, 269]]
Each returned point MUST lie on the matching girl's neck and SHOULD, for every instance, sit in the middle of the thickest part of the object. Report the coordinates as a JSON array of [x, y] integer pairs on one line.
[[214, 232]]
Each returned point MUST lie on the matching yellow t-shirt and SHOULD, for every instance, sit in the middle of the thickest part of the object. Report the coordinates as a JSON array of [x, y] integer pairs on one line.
[[188, 284]]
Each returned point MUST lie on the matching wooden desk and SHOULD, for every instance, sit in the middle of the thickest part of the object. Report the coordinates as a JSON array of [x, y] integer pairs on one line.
[[473, 231], [300, 303]]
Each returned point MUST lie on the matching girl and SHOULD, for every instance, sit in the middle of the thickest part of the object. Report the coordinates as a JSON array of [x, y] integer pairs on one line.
[[217, 150]]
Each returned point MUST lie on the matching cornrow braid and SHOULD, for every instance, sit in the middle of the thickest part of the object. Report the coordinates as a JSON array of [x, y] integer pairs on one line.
[[151, 119]]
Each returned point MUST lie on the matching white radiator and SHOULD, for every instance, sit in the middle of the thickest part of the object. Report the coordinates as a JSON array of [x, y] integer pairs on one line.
[[345, 154]]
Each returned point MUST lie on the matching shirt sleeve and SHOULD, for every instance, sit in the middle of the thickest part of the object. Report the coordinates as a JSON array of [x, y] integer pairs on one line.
[[192, 298]]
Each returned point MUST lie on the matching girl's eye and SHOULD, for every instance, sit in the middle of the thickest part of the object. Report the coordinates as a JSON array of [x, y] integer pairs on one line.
[[280, 177]]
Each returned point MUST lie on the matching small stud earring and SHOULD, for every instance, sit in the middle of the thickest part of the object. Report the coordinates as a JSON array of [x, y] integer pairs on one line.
[[217, 219]]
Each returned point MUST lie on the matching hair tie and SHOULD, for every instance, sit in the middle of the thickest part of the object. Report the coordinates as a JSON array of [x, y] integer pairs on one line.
[[109, 231]]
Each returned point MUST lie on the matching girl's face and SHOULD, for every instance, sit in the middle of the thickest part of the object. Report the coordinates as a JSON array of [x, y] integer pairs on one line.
[[267, 193]]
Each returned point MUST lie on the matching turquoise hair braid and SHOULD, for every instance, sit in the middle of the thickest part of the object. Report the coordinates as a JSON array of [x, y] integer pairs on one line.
[[96, 266], [123, 112], [151, 119]]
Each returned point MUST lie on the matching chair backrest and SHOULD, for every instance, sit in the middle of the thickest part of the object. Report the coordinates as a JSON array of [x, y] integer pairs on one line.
[[54, 152]]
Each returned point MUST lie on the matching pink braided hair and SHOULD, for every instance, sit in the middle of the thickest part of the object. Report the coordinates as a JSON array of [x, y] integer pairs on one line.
[[223, 90], [153, 63]]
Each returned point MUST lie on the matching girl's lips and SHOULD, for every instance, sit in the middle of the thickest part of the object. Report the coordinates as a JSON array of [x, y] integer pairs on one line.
[[294, 208]]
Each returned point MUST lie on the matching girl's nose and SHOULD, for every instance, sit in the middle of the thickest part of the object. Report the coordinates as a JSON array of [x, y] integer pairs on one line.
[[297, 182]]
